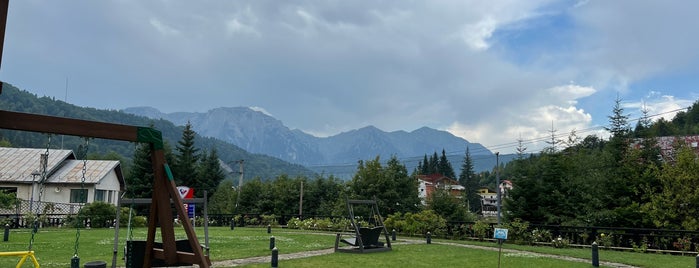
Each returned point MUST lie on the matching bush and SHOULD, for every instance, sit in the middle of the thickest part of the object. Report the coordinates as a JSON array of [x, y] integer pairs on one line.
[[269, 220], [539, 235], [480, 229], [98, 214], [605, 241], [417, 223], [518, 231], [560, 242]]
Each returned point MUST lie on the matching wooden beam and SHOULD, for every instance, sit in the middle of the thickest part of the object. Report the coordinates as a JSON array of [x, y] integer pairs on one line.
[[67, 126], [3, 22]]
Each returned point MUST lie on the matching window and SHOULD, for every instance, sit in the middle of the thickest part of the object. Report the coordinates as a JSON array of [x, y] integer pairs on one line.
[[9, 190], [99, 195], [78, 195]]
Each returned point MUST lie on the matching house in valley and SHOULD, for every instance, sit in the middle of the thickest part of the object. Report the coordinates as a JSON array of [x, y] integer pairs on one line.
[[429, 183], [65, 184]]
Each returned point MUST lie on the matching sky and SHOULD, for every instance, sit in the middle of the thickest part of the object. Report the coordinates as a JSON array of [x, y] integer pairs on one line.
[[491, 72]]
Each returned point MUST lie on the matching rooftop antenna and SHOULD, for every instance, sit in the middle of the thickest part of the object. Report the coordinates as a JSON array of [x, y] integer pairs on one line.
[[65, 99]]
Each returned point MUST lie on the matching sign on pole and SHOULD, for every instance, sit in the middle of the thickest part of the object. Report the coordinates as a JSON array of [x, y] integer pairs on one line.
[[500, 233], [185, 193]]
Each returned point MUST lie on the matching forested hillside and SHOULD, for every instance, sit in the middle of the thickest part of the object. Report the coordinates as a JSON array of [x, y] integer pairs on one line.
[[14, 99], [598, 182]]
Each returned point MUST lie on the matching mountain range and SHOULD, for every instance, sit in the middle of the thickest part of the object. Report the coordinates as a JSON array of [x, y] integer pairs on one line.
[[257, 132]]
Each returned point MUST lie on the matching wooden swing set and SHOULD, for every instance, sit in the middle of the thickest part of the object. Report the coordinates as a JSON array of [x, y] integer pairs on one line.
[[164, 188]]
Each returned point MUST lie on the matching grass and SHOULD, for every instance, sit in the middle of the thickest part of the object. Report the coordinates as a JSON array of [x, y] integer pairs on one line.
[[423, 255], [632, 258], [55, 247]]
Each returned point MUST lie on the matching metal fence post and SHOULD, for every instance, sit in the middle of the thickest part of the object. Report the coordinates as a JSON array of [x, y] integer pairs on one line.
[[275, 257], [6, 236], [595, 255]]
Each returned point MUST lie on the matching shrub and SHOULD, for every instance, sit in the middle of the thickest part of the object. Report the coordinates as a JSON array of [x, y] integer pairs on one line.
[[560, 242], [539, 235], [480, 229], [98, 214], [605, 241], [518, 231], [269, 220]]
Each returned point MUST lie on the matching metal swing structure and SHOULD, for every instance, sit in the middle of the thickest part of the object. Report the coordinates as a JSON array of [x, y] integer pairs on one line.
[[365, 239], [164, 188]]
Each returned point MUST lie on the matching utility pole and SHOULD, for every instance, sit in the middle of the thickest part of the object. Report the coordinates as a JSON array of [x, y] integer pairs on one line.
[[240, 183], [497, 182], [301, 202]]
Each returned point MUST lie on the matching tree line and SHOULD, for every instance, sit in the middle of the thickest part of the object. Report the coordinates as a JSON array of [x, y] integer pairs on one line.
[[625, 181]]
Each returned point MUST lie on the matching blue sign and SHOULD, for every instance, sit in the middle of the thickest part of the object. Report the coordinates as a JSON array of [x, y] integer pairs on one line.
[[500, 234], [190, 210]]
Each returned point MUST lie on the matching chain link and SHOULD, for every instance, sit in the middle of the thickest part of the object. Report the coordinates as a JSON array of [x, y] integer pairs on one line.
[[83, 154], [44, 166]]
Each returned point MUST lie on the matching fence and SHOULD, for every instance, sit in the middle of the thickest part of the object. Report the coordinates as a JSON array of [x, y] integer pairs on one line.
[[52, 214]]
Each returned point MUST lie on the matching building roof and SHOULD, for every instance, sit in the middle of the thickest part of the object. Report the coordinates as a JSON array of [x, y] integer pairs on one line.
[[18, 164], [436, 178]]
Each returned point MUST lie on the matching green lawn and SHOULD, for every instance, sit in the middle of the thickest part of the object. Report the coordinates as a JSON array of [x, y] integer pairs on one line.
[[55, 247]]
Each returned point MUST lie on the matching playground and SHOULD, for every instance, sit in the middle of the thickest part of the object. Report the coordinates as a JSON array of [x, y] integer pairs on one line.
[[249, 247]]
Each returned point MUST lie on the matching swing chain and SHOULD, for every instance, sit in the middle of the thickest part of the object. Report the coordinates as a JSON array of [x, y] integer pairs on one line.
[[44, 166], [83, 154]]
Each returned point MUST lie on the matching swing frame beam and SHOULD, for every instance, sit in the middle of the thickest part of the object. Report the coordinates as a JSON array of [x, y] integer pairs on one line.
[[164, 188]]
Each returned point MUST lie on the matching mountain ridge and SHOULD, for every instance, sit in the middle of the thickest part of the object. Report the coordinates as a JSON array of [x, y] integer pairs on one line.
[[258, 132]]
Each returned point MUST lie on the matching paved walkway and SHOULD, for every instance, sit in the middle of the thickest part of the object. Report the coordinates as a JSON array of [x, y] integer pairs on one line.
[[289, 256]]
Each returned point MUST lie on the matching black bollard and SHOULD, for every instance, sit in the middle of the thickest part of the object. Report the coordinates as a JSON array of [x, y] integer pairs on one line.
[[275, 258], [271, 243], [269, 229], [595, 255], [232, 223], [429, 238], [697, 261], [393, 235], [75, 262], [6, 236]]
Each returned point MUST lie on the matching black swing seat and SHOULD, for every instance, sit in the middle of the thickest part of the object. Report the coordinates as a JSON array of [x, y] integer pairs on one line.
[[370, 237]]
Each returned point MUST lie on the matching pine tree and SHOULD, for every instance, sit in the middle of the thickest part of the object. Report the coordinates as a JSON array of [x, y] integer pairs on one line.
[[187, 158], [468, 180], [444, 166], [521, 149], [433, 165], [210, 174], [425, 166], [139, 182]]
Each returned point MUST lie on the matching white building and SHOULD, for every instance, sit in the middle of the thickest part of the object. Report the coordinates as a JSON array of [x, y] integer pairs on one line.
[[21, 172]]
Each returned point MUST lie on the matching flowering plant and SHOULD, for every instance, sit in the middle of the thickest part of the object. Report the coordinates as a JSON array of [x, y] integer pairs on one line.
[[605, 240], [560, 242], [683, 244]]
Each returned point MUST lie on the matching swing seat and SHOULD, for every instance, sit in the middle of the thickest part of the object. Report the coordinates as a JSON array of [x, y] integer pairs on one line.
[[24, 255], [370, 237]]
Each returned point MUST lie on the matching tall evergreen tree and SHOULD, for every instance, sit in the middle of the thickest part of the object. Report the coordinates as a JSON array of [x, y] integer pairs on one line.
[[434, 164], [445, 167], [187, 158], [468, 180], [139, 181], [209, 174]]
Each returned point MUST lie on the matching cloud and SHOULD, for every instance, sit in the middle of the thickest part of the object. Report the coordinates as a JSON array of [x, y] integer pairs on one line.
[[488, 72], [162, 28], [555, 111]]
